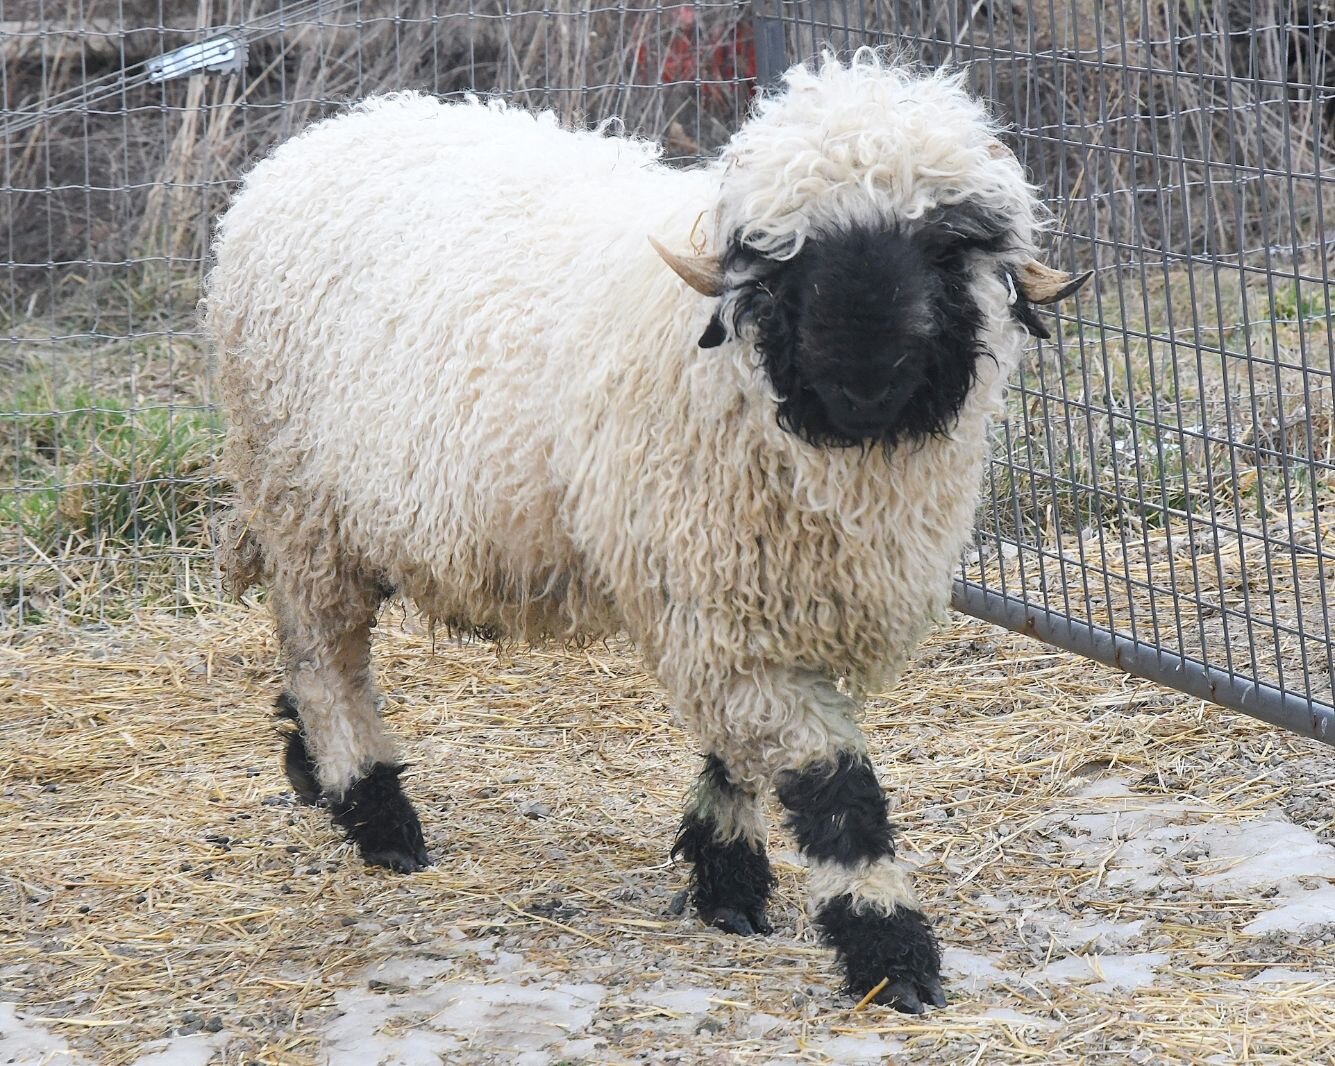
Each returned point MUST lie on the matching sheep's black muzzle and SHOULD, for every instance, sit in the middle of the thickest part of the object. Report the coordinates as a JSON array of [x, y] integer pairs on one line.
[[858, 416], [871, 334]]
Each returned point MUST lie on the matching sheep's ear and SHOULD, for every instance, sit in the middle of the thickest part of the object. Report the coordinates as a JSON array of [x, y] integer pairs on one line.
[[703, 273], [1041, 284], [971, 226], [714, 333], [1023, 312]]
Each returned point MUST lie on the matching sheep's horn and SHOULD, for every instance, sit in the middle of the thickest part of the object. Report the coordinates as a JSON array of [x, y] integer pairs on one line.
[[703, 273], [1042, 285]]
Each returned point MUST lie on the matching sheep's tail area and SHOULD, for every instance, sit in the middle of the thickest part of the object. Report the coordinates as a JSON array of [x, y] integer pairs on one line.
[[238, 552]]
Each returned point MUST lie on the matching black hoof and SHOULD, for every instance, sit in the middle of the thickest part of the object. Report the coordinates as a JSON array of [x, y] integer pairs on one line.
[[910, 998], [734, 921], [297, 761], [406, 859], [381, 821], [730, 882], [873, 947]]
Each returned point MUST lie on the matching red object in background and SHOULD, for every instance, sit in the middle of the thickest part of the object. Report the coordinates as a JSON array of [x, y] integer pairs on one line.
[[726, 56]]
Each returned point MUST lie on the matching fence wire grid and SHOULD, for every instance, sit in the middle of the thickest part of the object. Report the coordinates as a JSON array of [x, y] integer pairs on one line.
[[1160, 488]]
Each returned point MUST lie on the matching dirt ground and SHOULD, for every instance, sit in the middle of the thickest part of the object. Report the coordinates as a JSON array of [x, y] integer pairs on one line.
[[1118, 874]]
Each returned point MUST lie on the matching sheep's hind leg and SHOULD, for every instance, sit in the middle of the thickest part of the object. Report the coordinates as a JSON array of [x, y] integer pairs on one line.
[[339, 751], [722, 835], [865, 906]]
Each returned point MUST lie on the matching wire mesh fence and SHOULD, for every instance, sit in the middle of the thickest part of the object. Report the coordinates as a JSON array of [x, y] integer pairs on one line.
[[1159, 491], [112, 170], [1159, 494]]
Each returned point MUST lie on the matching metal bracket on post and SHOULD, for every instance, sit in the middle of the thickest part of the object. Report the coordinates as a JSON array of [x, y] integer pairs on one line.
[[224, 54], [771, 46]]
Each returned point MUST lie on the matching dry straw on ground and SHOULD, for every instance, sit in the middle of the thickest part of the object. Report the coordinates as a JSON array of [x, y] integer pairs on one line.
[[157, 879]]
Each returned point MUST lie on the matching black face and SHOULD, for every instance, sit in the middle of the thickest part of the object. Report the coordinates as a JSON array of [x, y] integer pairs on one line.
[[870, 335]]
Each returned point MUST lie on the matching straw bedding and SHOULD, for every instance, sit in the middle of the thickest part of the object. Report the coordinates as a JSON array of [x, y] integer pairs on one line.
[[1119, 874]]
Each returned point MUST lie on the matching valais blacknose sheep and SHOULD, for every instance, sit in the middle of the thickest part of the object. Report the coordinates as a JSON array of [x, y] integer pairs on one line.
[[459, 369]]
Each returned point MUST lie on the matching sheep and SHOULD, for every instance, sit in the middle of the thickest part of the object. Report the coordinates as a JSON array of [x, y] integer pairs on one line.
[[460, 370]]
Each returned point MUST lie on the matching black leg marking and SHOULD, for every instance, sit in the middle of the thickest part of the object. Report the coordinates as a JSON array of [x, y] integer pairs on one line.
[[380, 819], [730, 881], [376, 814], [297, 759], [871, 946], [838, 815]]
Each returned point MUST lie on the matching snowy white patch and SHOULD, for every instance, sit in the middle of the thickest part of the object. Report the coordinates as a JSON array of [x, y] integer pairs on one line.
[[408, 973], [858, 1050], [1152, 846], [761, 1024], [1108, 972], [682, 1001], [27, 1043], [1103, 934], [1014, 1019], [681, 1010], [1302, 910], [506, 964], [1281, 975], [407, 1015], [1261, 853], [356, 1037], [987, 900], [198, 1049], [518, 1018], [971, 972]]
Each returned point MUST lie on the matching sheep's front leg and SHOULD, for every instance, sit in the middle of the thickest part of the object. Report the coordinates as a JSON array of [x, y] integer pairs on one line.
[[864, 905], [722, 835], [339, 750], [794, 728]]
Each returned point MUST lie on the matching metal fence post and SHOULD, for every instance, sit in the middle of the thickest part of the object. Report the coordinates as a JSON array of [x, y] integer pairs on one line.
[[771, 50]]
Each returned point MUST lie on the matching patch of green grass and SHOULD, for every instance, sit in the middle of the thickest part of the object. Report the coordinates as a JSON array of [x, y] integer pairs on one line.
[[1289, 306], [79, 468]]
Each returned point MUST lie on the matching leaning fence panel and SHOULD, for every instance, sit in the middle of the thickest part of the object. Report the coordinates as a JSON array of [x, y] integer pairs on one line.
[[1158, 497], [1160, 487]]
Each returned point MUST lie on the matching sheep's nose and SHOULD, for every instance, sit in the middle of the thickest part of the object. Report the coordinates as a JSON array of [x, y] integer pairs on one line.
[[859, 397]]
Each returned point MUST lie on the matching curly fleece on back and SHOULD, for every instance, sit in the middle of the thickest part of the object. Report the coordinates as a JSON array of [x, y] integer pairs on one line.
[[453, 360]]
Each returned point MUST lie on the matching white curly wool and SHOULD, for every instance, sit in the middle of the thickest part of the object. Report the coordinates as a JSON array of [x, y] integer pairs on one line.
[[877, 885], [860, 142], [454, 362]]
